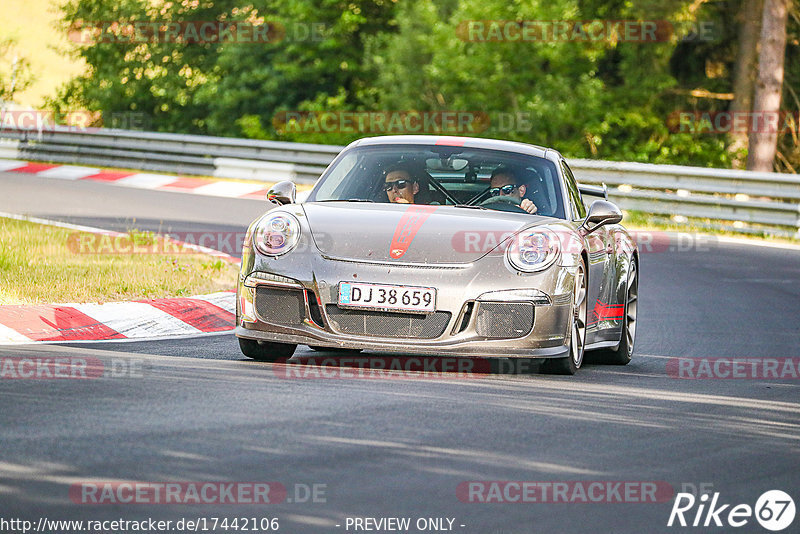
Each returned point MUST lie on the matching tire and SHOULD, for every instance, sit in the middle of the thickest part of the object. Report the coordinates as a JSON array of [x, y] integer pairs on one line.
[[266, 351], [334, 349], [624, 351], [569, 365]]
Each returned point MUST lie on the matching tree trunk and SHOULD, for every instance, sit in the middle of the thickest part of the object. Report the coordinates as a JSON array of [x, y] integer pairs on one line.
[[767, 98], [749, 18]]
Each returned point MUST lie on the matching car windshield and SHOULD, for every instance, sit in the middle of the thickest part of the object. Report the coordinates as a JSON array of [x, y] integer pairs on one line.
[[442, 175]]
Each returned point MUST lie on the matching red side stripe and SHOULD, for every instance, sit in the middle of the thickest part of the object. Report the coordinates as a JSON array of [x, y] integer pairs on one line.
[[607, 312], [54, 323], [34, 167], [200, 314]]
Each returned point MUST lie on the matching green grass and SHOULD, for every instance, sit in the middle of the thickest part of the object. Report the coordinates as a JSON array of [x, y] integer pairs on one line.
[[42, 264]]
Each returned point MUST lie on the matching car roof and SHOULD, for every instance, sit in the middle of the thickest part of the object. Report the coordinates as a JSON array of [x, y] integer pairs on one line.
[[468, 142]]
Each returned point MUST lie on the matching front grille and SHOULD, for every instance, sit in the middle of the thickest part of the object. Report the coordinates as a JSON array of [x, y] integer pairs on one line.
[[387, 324], [280, 306], [504, 319]]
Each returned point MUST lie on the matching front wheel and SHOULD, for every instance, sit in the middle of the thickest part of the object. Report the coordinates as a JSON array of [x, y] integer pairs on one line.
[[569, 365], [266, 351]]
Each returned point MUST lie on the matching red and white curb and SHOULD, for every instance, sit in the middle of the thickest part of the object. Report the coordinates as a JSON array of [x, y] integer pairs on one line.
[[140, 180], [139, 320]]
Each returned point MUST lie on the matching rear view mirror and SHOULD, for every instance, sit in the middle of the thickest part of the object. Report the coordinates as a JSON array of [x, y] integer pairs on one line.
[[447, 164], [282, 193]]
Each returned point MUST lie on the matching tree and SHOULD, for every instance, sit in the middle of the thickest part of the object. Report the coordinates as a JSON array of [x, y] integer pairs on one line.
[[319, 65], [15, 74], [749, 18], [151, 73], [767, 98]]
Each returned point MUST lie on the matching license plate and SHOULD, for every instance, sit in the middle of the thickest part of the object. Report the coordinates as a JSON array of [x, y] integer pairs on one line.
[[387, 297]]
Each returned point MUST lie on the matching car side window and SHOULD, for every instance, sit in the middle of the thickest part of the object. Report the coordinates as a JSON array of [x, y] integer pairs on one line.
[[578, 208]]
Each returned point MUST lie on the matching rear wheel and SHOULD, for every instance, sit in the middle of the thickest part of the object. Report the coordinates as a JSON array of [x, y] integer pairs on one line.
[[622, 355], [569, 365], [266, 351]]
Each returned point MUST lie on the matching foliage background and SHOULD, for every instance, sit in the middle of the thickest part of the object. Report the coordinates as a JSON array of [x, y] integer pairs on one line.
[[605, 100]]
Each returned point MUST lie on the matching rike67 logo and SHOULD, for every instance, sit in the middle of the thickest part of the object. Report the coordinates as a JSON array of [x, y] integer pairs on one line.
[[774, 510]]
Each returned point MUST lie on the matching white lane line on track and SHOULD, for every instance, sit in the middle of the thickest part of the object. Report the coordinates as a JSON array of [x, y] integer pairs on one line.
[[68, 173], [136, 319]]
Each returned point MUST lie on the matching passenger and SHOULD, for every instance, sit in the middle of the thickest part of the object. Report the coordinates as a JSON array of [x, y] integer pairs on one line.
[[505, 182], [401, 186]]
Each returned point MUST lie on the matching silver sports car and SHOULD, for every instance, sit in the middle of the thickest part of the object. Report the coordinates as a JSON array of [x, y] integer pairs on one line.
[[443, 246]]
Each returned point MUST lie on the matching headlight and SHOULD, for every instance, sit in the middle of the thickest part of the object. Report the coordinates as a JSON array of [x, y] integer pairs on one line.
[[533, 250], [276, 234]]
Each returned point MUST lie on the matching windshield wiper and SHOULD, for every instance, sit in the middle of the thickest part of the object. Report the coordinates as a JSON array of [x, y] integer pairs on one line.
[[470, 206]]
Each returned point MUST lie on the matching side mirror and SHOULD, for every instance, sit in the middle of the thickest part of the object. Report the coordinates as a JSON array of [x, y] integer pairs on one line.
[[282, 193], [601, 212]]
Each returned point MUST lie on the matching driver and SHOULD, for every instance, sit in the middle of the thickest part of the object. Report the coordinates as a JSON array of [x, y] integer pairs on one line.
[[505, 182], [400, 186]]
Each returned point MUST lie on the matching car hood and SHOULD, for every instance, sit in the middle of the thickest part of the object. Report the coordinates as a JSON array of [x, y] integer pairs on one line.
[[396, 233]]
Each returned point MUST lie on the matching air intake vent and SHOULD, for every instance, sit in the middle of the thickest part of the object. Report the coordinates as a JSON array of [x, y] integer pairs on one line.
[[313, 307], [503, 320], [384, 324], [280, 306]]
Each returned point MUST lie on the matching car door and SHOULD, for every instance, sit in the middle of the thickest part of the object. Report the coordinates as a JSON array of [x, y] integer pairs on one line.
[[600, 256]]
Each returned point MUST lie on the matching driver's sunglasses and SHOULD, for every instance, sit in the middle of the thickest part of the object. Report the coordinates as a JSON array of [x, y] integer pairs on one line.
[[506, 190], [399, 184]]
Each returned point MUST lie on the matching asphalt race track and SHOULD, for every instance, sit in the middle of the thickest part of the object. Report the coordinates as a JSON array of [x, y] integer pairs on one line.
[[197, 410]]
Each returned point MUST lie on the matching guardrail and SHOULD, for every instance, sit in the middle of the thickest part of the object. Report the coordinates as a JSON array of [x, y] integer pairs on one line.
[[737, 200]]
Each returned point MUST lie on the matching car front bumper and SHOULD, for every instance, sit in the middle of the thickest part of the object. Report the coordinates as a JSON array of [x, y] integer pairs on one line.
[[312, 316]]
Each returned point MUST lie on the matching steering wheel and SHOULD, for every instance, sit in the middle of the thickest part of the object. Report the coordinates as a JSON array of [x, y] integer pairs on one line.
[[503, 203]]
